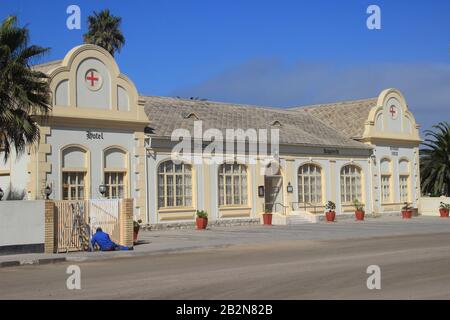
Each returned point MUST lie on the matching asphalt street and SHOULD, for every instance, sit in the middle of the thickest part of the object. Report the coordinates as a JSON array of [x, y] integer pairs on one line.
[[414, 266]]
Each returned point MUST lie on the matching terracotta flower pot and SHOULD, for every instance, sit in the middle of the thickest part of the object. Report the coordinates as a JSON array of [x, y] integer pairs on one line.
[[267, 218], [443, 213], [406, 214], [359, 215], [201, 223], [330, 215]]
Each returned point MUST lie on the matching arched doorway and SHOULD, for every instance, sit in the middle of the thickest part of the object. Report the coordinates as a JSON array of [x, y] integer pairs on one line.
[[273, 185]]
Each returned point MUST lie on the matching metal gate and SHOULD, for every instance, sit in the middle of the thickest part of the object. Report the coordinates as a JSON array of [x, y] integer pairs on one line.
[[105, 214], [76, 221]]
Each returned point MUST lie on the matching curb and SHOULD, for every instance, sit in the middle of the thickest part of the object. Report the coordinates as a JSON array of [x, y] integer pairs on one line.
[[44, 261]]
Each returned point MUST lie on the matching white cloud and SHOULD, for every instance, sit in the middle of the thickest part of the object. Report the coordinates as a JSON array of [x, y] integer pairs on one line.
[[269, 82]]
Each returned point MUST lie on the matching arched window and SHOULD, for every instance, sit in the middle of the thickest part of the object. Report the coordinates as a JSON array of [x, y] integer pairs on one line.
[[74, 173], [309, 184], [232, 185], [385, 167], [115, 173], [350, 184], [174, 185], [403, 167]]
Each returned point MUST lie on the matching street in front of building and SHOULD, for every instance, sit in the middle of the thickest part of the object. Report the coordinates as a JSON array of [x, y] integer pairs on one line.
[[310, 261]]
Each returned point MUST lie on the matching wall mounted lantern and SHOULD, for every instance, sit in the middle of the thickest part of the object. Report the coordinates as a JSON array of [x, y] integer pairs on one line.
[[261, 191], [1, 194], [102, 189], [48, 192], [290, 188]]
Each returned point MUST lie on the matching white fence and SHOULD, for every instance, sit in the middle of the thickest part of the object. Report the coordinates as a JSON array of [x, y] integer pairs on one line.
[[429, 206]]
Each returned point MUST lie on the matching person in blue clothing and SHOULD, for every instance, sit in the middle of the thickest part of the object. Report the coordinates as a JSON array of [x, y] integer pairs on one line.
[[104, 242]]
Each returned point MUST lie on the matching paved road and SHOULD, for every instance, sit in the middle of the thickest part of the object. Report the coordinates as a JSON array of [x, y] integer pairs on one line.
[[412, 267], [176, 240]]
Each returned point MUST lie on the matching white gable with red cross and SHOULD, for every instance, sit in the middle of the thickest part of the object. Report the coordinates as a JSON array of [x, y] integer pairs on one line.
[[391, 118], [93, 87], [88, 81]]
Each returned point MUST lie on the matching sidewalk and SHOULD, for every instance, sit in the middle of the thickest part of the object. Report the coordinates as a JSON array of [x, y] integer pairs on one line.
[[169, 241]]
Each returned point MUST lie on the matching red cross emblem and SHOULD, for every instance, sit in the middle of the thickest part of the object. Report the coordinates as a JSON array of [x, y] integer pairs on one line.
[[92, 78], [393, 112]]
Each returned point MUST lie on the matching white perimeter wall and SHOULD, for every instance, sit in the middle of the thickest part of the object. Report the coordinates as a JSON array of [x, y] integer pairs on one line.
[[429, 206], [22, 222]]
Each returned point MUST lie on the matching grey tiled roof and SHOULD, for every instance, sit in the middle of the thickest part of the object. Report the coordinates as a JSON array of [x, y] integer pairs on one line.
[[327, 125], [348, 116], [167, 114], [47, 67]]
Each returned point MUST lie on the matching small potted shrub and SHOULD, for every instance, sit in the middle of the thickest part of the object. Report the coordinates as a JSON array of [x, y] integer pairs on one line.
[[359, 210], [136, 227], [330, 214], [267, 217], [407, 211], [444, 208], [202, 219]]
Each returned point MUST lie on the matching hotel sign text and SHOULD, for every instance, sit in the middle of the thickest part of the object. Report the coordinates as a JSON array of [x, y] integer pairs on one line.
[[94, 135], [331, 151]]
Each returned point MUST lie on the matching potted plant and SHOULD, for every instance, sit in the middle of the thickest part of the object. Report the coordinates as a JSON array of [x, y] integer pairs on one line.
[[267, 217], [202, 219], [136, 227], [444, 208], [407, 211], [359, 210], [330, 214]]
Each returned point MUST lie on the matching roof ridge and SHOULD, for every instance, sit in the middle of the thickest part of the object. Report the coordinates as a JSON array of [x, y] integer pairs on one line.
[[229, 104], [332, 104], [48, 63]]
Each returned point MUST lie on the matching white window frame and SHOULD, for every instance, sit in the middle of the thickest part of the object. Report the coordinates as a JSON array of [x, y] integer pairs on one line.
[[305, 175], [351, 184], [386, 194], [237, 193], [404, 188], [75, 186], [115, 185], [183, 199]]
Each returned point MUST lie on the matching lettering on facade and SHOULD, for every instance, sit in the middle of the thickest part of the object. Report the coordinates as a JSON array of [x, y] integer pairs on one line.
[[394, 151], [94, 135], [331, 151]]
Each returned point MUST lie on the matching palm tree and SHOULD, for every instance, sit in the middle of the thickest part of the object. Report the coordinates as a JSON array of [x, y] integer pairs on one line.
[[435, 161], [104, 31], [24, 92]]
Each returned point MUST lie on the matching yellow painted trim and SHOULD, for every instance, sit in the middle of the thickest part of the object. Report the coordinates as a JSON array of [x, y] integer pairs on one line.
[[372, 135], [38, 166], [68, 71], [230, 212], [177, 215], [87, 169]]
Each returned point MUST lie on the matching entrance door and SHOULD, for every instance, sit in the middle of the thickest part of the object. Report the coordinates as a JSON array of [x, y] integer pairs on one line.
[[273, 186]]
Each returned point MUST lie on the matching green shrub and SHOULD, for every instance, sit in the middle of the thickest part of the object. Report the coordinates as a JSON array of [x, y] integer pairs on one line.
[[201, 214], [330, 206], [407, 206], [358, 205], [445, 206]]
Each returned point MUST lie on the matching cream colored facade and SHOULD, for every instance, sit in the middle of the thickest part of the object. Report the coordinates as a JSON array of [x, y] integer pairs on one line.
[[97, 131]]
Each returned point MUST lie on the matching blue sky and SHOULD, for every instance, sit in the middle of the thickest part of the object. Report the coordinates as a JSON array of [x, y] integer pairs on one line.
[[275, 53]]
